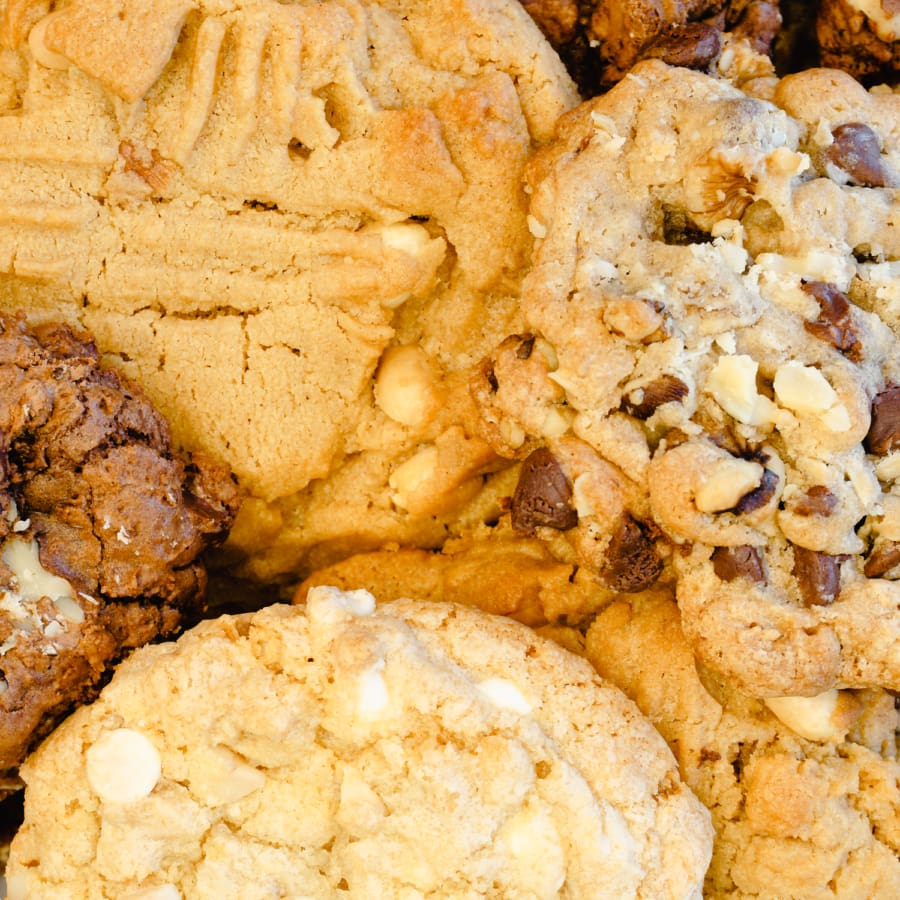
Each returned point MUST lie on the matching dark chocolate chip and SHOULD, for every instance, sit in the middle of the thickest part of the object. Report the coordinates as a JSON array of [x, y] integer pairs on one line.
[[817, 501], [818, 576], [664, 389], [882, 559], [693, 45], [526, 346], [835, 324], [743, 561], [543, 495], [680, 230], [632, 563], [857, 152], [884, 431], [759, 496]]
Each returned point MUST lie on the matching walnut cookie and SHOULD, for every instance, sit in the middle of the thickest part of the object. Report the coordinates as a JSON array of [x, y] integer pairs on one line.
[[293, 223], [707, 389], [102, 526], [411, 749], [803, 791]]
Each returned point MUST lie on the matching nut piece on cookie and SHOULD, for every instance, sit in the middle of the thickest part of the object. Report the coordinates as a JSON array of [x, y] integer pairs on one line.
[[343, 747], [802, 790], [102, 526]]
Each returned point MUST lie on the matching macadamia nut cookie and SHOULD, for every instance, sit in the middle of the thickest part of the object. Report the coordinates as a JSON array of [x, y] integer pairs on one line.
[[101, 528], [803, 791], [259, 209], [708, 382], [410, 750]]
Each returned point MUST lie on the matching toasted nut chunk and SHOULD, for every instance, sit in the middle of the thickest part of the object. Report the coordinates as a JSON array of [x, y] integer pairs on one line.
[[825, 717], [412, 474], [405, 386], [729, 480]]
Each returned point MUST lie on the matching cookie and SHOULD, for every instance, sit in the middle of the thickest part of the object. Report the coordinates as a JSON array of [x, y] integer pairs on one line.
[[102, 527], [600, 42], [860, 37], [414, 749], [802, 791], [251, 205], [492, 568], [707, 385]]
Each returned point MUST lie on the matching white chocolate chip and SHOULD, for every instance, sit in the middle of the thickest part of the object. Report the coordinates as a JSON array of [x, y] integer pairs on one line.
[[504, 695], [373, 692], [410, 239], [404, 386], [411, 475], [123, 766], [330, 605], [805, 390], [728, 480], [810, 717], [732, 383], [33, 580]]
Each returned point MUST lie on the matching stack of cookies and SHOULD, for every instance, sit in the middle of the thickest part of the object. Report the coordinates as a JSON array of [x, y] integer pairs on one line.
[[542, 359]]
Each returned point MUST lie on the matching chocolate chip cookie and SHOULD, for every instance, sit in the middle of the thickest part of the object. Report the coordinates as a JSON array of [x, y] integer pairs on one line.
[[707, 385]]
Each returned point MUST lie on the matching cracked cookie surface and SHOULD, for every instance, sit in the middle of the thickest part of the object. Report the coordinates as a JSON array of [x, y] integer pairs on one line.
[[248, 204], [101, 527], [708, 381], [409, 750]]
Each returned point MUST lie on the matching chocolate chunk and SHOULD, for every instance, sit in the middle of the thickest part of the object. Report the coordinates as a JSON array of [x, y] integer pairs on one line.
[[678, 229], [818, 576], [543, 495], [759, 496], [835, 324], [817, 501], [759, 21], [730, 563], [693, 45], [632, 563], [884, 432], [857, 152], [882, 559], [526, 345], [665, 389]]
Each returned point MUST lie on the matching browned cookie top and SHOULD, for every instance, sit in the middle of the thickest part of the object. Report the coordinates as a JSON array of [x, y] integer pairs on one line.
[[101, 526]]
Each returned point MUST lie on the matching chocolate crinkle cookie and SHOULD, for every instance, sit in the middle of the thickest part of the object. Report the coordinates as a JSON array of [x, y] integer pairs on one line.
[[101, 528], [599, 42]]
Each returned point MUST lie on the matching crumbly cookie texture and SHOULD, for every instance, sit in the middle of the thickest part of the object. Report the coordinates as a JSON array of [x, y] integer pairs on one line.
[[101, 527], [803, 791], [861, 37], [410, 750], [709, 378], [250, 205], [600, 42]]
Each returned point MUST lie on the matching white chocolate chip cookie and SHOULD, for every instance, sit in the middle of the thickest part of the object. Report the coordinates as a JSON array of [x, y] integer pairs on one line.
[[802, 790], [711, 295], [410, 750], [254, 205]]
